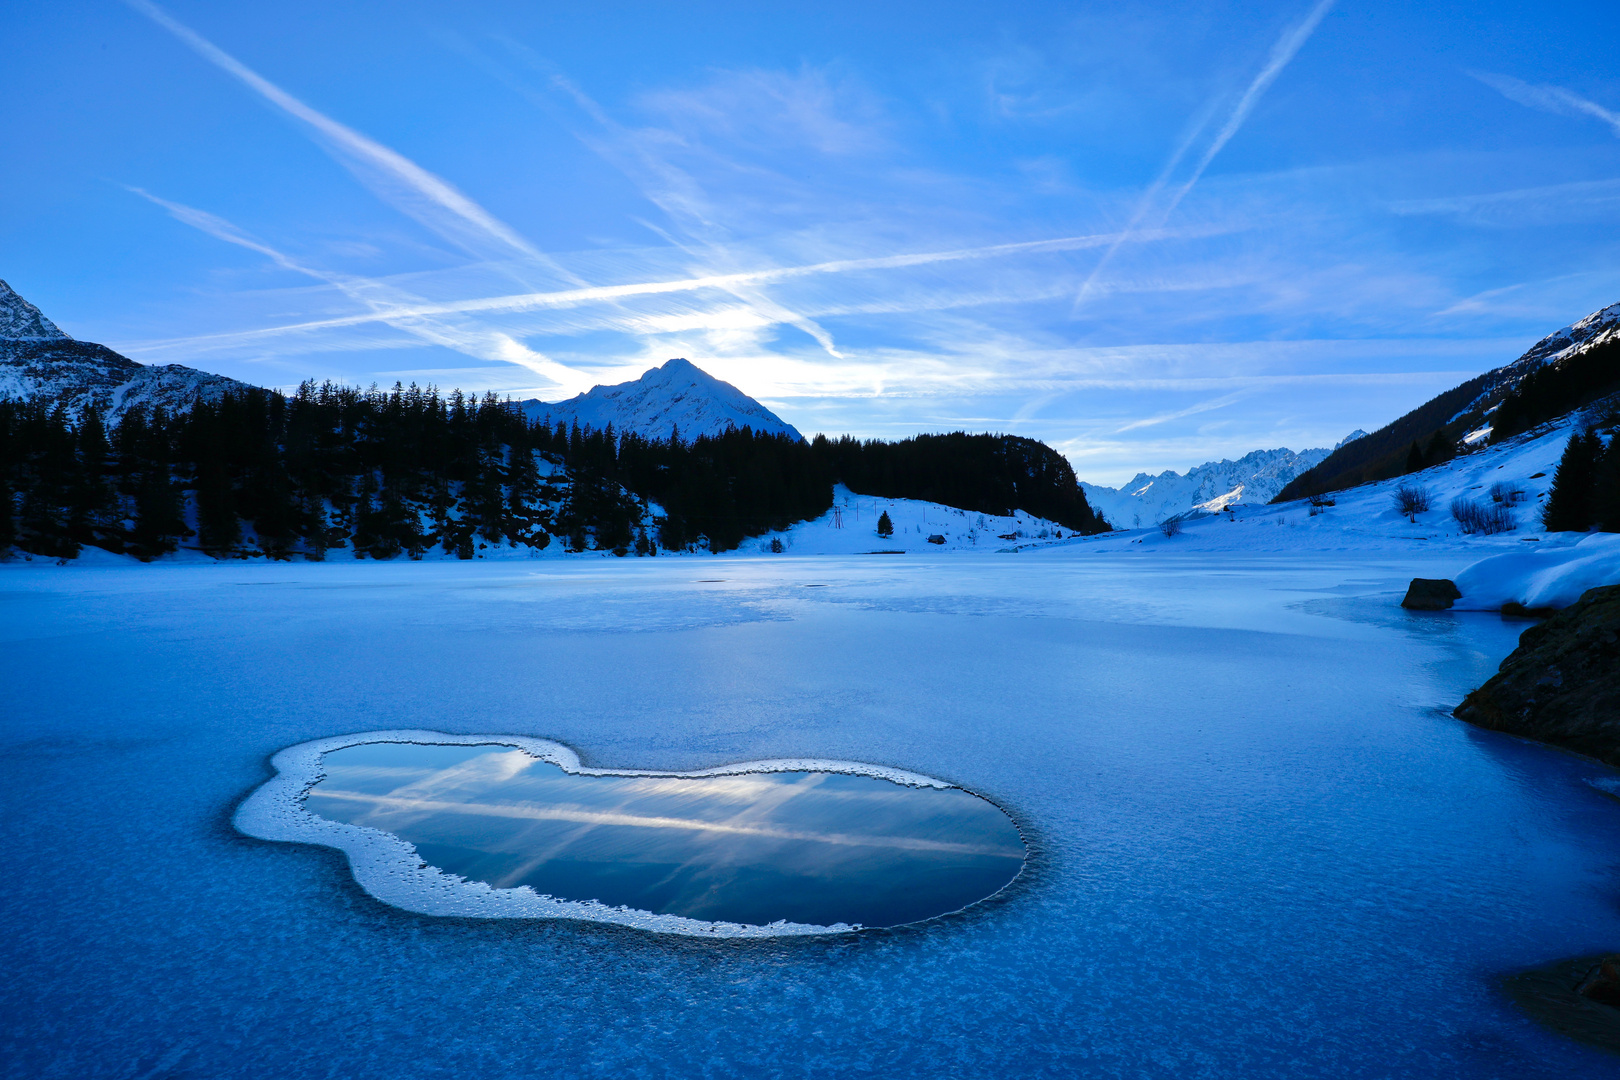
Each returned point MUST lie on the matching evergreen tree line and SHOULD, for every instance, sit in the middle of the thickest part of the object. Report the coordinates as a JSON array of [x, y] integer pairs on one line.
[[388, 473], [1586, 487], [1552, 390], [990, 474]]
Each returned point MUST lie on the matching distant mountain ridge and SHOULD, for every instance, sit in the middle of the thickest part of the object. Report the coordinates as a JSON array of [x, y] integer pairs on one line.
[[677, 394], [40, 362], [1465, 416], [1256, 477]]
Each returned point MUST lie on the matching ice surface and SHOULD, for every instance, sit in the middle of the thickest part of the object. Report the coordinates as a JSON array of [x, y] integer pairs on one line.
[[836, 855], [1260, 846]]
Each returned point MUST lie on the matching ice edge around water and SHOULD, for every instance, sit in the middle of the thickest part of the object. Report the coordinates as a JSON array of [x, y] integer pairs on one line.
[[389, 868]]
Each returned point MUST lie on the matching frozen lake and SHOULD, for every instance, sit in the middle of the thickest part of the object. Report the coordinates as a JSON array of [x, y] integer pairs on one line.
[[1260, 846]]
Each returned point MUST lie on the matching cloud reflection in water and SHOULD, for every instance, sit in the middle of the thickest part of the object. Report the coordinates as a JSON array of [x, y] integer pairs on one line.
[[809, 847]]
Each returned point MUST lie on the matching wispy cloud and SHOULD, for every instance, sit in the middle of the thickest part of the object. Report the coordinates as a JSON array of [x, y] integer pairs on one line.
[[1151, 208], [386, 303], [1547, 98], [566, 298], [428, 198], [1192, 410], [1581, 200]]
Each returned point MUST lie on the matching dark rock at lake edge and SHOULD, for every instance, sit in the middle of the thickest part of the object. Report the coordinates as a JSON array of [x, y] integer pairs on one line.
[[1430, 594], [1562, 684], [1569, 997]]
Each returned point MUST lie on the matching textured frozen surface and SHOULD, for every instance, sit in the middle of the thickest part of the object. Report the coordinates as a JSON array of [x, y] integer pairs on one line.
[[1261, 848], [389, 868]]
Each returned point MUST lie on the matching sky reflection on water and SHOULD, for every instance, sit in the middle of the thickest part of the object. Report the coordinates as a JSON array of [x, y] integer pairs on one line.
[[808, 847]]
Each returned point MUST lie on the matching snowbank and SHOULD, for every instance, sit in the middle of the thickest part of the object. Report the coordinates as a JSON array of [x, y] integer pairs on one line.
[[1552, 578]]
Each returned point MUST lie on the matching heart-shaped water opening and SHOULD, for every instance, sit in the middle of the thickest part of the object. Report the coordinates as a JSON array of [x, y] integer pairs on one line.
[[805, 847]]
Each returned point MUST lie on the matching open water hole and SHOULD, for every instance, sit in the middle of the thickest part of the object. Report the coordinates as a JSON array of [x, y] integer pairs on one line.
[[818, 848]]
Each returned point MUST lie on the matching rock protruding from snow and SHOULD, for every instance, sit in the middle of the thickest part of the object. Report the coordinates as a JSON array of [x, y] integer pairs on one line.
[[1430, 594], [40, 362], [679, 394], [1146, 500], [22, 321]]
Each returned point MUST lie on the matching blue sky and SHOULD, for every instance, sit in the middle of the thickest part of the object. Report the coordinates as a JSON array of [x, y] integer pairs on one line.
[[1150, 235]]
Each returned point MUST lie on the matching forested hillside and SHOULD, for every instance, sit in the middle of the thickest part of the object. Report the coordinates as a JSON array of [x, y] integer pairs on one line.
[[382, 474], [1564, 371]]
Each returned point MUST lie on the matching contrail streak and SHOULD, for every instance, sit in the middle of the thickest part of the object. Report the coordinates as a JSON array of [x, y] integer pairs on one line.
[[1281, 53], [1553, 99], [430, 198], [565, 298], [387, 304]]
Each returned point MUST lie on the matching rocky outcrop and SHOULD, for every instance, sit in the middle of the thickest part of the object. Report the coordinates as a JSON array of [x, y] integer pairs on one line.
[[1572, 997], [1431, 594], [1562, 684]]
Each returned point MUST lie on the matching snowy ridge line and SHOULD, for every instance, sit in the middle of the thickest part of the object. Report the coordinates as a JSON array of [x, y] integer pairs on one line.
[[389, 868]]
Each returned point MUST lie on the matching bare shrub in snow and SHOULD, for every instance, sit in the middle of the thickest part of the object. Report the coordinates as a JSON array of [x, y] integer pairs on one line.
[[1412, 500], [1507, 493], [1170, 526], [1473, 517]]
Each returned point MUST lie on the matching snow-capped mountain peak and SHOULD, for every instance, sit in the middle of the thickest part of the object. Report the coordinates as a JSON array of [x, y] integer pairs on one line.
[[22, 321], [1350, 438], [1598, 327], [40, 362], [677, 394], [1146, 500]]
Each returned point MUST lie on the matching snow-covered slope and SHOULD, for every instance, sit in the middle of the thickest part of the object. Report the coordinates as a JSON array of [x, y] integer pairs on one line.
[[1366, 518], [1461, 416], [677, 394], [1599, 327], [1254, 478], [1595, 329], [850, 528], [37, 360]]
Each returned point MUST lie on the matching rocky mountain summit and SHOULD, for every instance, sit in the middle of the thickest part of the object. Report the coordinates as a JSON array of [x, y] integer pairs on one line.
[[1146, 500], [39, 361], [677, 394]]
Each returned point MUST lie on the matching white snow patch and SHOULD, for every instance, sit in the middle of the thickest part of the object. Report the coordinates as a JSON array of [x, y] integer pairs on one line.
[[1552, 578], [850, 528]]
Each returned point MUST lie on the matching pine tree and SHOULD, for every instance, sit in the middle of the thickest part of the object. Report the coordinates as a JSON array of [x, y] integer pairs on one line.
[[1570, 501], [1606, 488], [1414, 458], [8, 523], [1441, 450], [885, 527]]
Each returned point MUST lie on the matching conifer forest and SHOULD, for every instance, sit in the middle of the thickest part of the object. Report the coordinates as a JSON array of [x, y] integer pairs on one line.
[[383, 474]]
